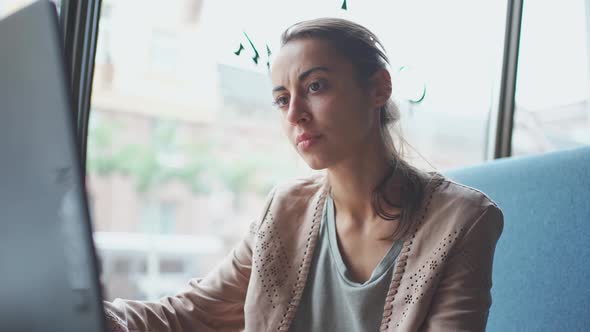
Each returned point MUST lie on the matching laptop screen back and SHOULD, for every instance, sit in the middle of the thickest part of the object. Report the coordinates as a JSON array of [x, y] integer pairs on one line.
[[48, 271]]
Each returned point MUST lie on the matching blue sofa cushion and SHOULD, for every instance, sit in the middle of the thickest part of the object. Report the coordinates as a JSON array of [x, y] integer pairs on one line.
[[541, 275]]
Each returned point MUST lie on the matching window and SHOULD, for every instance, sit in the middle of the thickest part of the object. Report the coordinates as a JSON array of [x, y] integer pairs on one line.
[[163, 53], [158, 218], [104, 73], [184, 143], [551, 104]]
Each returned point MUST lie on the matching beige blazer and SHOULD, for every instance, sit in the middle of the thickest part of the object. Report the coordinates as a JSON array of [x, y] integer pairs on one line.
[[441, 279]]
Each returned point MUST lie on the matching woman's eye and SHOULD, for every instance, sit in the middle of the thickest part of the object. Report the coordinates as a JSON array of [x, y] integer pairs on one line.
[[315, 86], [282, 101]]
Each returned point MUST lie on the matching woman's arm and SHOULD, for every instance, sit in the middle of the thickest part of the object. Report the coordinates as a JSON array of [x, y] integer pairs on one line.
[[463, 299], [214, 303]]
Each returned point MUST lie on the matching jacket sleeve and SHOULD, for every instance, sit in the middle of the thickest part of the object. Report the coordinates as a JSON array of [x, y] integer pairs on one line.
[[214, 303], [463, 296]]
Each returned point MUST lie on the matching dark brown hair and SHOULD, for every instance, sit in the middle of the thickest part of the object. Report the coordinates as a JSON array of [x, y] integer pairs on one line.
[[364, 50]]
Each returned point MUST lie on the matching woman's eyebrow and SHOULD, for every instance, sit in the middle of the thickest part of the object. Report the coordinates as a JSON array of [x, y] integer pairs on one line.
[[308, 72], [303, 76]]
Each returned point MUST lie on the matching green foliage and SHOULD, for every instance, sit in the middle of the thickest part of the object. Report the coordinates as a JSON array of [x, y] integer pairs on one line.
[[143, 162]]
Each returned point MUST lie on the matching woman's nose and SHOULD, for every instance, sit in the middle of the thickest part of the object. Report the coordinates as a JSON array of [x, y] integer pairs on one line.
[[298, 112]]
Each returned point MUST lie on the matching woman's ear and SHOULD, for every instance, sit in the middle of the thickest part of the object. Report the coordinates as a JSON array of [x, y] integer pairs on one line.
[[381, 82]]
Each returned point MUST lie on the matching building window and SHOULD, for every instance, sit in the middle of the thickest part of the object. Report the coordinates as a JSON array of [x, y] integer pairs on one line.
[[163, 52], [158, 217]]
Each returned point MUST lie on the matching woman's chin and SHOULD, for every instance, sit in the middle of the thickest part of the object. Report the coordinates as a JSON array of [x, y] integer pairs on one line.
[[315, 164], [316, 168]]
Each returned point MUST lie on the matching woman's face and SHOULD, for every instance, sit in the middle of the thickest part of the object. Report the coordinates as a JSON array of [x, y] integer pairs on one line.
[[327, 114]]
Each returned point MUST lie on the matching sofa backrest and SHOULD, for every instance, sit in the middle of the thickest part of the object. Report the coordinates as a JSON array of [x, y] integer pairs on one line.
[[541, 274]]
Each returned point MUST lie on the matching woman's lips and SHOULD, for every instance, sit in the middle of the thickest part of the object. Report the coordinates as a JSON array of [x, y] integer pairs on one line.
[[307, 142]]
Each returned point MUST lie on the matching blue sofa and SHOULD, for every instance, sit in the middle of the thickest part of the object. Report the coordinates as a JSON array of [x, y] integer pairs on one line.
[[541, 276]]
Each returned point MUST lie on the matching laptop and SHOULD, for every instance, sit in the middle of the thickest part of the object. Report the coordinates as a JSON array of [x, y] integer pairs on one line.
[[48, 266]]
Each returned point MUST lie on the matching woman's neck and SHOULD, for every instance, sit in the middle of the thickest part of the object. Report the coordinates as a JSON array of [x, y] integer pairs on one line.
[[353, 181]]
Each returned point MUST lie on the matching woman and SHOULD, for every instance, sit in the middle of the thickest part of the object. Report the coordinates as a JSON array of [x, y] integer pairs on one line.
[[372, 245]]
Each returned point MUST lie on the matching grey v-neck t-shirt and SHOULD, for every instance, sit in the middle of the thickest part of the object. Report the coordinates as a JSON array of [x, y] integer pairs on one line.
[[331, 300]]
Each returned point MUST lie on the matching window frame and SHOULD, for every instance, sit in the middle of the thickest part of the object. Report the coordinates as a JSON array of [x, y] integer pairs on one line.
[[79, 21], [506, 106]]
